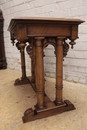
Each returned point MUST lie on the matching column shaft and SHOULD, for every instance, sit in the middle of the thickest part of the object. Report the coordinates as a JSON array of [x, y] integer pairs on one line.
[[59, 70], [39, 73], [21, 46]]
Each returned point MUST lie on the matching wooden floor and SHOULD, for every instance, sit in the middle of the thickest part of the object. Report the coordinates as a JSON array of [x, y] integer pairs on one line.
[[15, 100]]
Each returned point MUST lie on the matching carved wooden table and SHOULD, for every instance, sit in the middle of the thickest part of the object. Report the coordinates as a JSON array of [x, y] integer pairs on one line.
[[39, 33]]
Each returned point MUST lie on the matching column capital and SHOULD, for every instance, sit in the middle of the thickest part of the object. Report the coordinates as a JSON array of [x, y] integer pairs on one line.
[[20, 46], [60, 40], [39, 38], [61, 37], [39, 41]]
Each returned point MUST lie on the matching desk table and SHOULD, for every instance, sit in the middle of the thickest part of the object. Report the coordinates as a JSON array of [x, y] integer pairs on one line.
[[39, 33]]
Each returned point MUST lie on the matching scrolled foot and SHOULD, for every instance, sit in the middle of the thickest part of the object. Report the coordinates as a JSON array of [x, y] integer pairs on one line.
[[21, 81], [28, 115]]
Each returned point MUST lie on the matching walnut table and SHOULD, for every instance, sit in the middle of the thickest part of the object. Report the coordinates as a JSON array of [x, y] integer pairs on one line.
[[39, 33]]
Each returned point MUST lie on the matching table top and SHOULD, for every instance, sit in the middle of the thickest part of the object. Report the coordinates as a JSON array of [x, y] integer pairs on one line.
[[43, 20], [48, 19]]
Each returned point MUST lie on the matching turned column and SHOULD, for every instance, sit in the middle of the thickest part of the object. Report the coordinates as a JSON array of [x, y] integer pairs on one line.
[[59, 70], [39, 72], [21, 47]]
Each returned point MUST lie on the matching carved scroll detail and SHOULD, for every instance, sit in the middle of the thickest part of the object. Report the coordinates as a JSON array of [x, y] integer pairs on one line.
[[29, 51], [29, 48], [65, 48], [12, 38]]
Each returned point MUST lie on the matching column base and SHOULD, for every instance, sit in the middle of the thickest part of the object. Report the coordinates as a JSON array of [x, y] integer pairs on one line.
[[21, 81], [39, 108], [31, 115], [58, 103]]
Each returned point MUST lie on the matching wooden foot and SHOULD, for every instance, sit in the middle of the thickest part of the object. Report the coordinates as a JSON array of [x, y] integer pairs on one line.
[[31, 115], [21, 81]]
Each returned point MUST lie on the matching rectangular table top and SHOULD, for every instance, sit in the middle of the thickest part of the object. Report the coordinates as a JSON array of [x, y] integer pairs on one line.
[[43, 20]]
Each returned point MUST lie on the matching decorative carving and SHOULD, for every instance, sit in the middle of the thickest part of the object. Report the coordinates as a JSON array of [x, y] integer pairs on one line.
[[49, 40], [65, 48], [29, 51], [12, 38], [17, 45], [29, 48], [72, 43]]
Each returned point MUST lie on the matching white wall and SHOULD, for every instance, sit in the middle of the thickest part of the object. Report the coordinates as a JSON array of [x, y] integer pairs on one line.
[[75, 64]]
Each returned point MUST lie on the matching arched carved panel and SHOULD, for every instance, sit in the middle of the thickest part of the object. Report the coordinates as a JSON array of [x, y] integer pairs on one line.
[[49, 40]]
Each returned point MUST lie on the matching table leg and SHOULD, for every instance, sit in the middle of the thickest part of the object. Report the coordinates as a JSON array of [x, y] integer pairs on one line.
[[39, 71], [59, 70], [24, 79]]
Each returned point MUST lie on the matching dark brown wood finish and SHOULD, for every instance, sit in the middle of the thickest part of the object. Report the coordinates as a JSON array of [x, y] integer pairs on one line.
[[39, 33], [3, 64]]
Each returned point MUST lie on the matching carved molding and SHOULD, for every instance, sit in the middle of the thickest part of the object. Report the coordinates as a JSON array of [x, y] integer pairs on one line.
[[49, 41], [20, 46]]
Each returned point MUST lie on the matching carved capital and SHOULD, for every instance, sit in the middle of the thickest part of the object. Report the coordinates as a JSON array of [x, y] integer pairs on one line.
[[20, 46], [39, 42], [60, 40]]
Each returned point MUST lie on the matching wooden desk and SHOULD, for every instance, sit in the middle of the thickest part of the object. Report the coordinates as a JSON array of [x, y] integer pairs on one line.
[[39, 33]]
